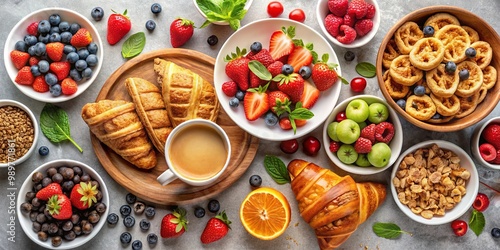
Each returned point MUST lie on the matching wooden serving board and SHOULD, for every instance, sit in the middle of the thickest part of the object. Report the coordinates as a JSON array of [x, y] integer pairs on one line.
[[143, 183]]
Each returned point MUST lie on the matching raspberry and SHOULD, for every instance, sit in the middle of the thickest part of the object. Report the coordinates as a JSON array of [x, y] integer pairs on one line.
[[370, 11], [332, 24], [68, 86], [347, 34], [334, 146], [497, 159], [39, 85], [384, 132], [363, 145], [229, 88], [357, 8], [487, 152], [349, 20], [368, 132], [363, 26], [338, 7], [33, 29], [275, 68]]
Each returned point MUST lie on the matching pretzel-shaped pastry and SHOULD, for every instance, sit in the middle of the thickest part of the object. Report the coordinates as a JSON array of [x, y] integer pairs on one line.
[[441, 83], [446, 106], [427, 53], [473, 35], [467, 105], [490, 75], [472, 84], [420, 107], [391, 51], [439, 20], [403, 72], [396, 90], [484, 53]]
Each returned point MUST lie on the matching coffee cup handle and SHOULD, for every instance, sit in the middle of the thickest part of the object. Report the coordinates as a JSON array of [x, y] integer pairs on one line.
[[166, 177]]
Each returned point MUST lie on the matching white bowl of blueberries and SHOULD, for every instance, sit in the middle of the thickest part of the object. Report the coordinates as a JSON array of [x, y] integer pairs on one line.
[[40, 54]]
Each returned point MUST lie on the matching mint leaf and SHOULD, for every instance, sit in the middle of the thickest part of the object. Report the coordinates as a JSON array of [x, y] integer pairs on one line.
[[477, 222], [134, 45], [231, 11], [54, 123], [387, 230], [366, 69], [276, 169], [260, 70]]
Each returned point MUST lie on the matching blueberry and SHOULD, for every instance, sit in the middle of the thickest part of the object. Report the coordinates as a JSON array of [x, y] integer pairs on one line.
[[50, 79], [401, 103], [92, 48], [136, 245], [150, 212], [31, 50], [495, 232], [255, 180], [35, 70], [44, 38], [150, 25], [128, 221], [55, 90], [240, 94], [87, 73], [54, 19], [64, 26], [66, 37], [212, 40], [152, 239], [44, 27], [72, 57], [256, 47], [80, 65], [83, 53], [43, 66], [450, 67], [213, 206], [199, 212], [97, 13], [287, 69], [428, 31], [437, 116], [43, 150], [54, 29], [21, 46], [305, 72], [54, 37], [271, 119], [419, 90], [125, 238], [74, 27], [112, 219], [40, 49], [470, 52], [144, 224], [349, 56], [156, 8], [30, 40], [68, 48], [125, 210], [463, 74], [75, 74], [130, 198], [234, 102]]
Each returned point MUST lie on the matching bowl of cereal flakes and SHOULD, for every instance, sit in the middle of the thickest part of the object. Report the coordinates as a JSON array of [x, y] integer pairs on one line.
[[437, 67], [434, 182], [19, 130]]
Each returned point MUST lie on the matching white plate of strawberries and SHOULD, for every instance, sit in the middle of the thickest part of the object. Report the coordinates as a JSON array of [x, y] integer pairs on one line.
[[277, 79]]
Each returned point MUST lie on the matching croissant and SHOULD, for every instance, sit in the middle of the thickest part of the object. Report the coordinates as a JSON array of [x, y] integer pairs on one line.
[[186, 94], [116, 124], [333, 206], [150, 107]]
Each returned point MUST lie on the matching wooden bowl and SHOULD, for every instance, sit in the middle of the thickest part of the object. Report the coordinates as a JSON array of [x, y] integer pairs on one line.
[[486, 33]]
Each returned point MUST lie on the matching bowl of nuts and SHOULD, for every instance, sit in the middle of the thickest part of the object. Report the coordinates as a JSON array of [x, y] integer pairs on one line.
[[434, 182], [19, 131], [63, 204], [437, 67]]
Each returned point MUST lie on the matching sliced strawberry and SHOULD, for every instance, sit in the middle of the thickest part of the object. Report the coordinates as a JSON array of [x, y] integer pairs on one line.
[[281, 42], [256, 102], [301, 55], [309, 96]]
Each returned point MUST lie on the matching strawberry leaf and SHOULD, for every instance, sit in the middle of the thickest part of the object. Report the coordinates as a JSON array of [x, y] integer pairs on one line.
[[477, 222]]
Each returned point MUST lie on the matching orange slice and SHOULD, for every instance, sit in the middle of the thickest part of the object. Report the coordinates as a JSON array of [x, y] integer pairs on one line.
[[265, 213]]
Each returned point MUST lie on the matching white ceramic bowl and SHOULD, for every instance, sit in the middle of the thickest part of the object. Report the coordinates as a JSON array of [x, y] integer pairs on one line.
[[19, 31], [36, 132], [26, 223], [322, 11], [396, 143], [247, 6], [476, 140], [472, 184], [261, 31]]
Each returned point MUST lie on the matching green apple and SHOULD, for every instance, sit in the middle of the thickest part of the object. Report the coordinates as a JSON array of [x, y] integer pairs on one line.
[[347, 154], [348, 131], [362, 161], [380, 155], [332, 131], [357, 110], [362, 125], [378, 112]]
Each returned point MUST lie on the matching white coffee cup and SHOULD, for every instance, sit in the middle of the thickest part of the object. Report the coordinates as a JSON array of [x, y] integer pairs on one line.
[[197, 152]]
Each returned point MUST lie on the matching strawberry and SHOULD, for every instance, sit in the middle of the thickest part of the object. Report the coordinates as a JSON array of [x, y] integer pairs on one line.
[[324, 74], [256, 102], [363, 26], [229, 88], [332, 24], [39, 84], [275, 69], [68, 86], [237, 68], [174, 224], [254, 80], [118, 26], [281, 42], [216, 228], [368, 132], [32, 29], [309, 96], [83, 195], [60, 69], [358, 8], [279, 102], [301, 55], [45, 193], [55, 51], [59, 206], [81, 38], [263, 56], [24, 76], [285, 123], [33, 60], [347, 34], [384, 132], [292, 85], [362, 145], [19, 58], [181, 30], [338, 7], [491, 134]]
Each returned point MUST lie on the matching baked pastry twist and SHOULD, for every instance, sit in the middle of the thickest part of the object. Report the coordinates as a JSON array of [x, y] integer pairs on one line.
[[333, 206]]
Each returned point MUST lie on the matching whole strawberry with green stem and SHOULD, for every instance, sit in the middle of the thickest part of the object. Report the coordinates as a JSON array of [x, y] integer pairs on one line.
[[181, 30], [118, 26], [324, 75], [217, 228], [83, 195], [59, 207], [174, 224], [49, 191], [292, 85], [237, 68]]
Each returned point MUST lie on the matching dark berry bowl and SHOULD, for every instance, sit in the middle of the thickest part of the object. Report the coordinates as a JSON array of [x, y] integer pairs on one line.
[[69, 240], [20, 30]]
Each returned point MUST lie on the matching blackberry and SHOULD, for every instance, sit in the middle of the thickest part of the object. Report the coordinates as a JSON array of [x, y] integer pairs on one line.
[[125, 238], [255, 180], [125, 210], [199, 212], [349, 56], [212, 40], [213, 206], [97, 13]]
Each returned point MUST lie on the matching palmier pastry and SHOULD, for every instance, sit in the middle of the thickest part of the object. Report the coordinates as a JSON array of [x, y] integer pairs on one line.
[[467, 105], [456, 41], [473, 35], [439, 20], [472, 84], [490, 75], [403, 72], [446, 106], [427, 53], [396, 90], [420, 107], [440, 82], [484, 53], [391, 51], [406, 36]]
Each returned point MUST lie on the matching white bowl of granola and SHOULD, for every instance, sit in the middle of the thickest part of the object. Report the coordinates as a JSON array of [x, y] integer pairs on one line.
[[440, 192]]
